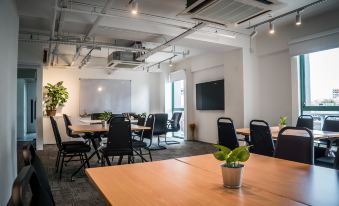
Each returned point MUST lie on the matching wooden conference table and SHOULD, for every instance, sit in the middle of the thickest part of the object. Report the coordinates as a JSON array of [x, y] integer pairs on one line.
[[93, 132], [197, 180], [275, 131]]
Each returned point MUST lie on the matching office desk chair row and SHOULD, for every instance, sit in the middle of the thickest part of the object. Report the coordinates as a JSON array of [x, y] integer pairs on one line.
[[287, 146], [31, 186]]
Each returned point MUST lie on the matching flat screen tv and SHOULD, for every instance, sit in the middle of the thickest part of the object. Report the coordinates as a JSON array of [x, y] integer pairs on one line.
[[210, 95]]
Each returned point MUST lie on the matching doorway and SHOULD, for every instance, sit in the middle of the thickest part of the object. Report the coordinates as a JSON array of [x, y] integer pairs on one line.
[[178, 105], [26, 104]]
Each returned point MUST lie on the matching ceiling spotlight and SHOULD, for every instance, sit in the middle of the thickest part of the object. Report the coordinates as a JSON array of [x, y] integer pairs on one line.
[[170, 63], [134, 7], [298, 19], [271, 26], [254, 33]]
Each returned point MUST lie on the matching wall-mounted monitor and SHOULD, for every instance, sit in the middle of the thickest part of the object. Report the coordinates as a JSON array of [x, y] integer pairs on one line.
[[210, 95]]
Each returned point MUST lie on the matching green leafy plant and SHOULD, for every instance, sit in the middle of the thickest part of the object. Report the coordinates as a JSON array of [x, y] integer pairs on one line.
[[232, 158], [283, 120], [56, 95], [105, 116]]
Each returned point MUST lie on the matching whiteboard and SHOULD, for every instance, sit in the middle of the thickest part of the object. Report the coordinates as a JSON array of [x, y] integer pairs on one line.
[[99, 95]]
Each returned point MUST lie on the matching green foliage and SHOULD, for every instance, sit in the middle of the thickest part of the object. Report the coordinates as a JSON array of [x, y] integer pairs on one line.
[[55, 95], [105, 116], [283, 120], [143, 114], [232, 157]]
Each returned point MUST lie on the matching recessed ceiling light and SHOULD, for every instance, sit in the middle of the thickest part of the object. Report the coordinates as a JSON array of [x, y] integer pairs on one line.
[[99, 89], [298, 19], [271, 26], [134, 7]]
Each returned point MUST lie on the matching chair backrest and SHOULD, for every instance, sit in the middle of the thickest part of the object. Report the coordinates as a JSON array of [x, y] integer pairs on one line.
[[226, 133], [295, 144], [261, 138], [119, 136], [31, 158], [175, 123], [56, 132], [27, 190], [305, 121], [331, 123], [150, 121], [160, 124], [141, 121], [67, 123]]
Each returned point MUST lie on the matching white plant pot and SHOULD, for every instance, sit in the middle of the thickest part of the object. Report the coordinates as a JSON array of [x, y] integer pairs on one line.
[[232, 177]]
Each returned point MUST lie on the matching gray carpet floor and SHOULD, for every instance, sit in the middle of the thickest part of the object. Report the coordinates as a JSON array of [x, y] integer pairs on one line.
[[81, 191]]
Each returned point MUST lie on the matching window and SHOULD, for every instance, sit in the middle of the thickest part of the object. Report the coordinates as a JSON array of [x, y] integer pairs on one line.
[[319, 78]]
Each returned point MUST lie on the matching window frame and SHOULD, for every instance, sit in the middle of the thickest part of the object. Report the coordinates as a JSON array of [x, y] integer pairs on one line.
[[303, 106]]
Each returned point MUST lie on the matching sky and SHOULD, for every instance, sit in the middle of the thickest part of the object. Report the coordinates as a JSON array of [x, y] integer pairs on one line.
[[324, 73]]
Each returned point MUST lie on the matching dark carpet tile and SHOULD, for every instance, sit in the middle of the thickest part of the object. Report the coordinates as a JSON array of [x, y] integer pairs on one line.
[[81, 191]]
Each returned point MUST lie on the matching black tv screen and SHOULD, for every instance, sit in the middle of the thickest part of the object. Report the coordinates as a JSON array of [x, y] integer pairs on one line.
[[210, 95]]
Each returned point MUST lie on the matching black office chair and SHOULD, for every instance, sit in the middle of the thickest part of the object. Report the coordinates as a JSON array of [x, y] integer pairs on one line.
[[27, 190], [330, 162], [141, 122], [261, 138], [160, 129], [331, 124], [68, 149], [295, 144], [226, 133], [173, 125], [31, 158], [139, 145], [305, 121], [68, 123], [119, 141]]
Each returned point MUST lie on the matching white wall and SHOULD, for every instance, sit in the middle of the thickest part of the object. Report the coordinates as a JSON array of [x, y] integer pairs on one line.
[[9, 24], [210, 67], [278, 87], [147, 92]]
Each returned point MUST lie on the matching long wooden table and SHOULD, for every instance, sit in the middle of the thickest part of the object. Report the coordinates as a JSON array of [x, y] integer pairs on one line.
[[99, 128], [275, 131], [197, 180]]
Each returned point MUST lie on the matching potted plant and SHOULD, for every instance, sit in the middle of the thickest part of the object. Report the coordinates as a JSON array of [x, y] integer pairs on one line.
[[282, 122], [232, 170], [192, 128], [105, 116], [56, 95]]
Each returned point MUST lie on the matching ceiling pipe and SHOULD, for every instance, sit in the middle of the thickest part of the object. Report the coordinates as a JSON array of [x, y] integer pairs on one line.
[[93, 44], [59, 28], [90, 31], [72, 10], [52, 31], [171, 41], [288, 13]]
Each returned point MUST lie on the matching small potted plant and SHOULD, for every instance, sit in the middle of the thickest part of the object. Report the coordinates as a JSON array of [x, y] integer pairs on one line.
[[232, 170], [105, 117], [282, 122], [55, 95]]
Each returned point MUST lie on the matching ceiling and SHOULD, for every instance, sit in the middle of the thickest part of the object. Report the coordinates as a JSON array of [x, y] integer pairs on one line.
[[157, 22]]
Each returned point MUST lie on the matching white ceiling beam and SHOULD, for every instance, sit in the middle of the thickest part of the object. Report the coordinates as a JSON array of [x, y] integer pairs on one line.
[[91, 30]]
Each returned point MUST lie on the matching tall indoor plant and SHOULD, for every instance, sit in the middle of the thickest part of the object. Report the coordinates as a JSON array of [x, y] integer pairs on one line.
[[56, 95], [232, 170]]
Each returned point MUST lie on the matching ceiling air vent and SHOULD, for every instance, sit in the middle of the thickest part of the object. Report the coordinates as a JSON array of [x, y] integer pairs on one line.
[[123, 60], [227, 12]]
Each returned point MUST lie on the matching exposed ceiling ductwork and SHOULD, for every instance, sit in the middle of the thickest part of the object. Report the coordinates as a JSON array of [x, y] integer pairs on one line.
[[228, 12]]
